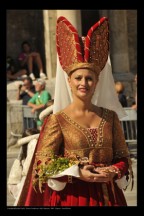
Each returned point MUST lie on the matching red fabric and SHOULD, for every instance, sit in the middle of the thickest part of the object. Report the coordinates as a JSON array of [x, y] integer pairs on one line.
[[122, 165], [78, 194]]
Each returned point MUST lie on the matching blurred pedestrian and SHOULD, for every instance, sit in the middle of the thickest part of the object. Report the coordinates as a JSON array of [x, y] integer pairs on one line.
[[120, 91]]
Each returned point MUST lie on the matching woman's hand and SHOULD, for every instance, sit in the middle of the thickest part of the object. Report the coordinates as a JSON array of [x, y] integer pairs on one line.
[[110, 174], [87, 174]]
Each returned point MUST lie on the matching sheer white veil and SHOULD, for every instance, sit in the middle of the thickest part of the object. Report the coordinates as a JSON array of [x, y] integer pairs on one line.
[[105, 94]]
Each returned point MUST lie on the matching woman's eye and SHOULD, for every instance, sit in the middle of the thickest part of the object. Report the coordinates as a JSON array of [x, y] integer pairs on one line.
[[89, 78], [78, 78]]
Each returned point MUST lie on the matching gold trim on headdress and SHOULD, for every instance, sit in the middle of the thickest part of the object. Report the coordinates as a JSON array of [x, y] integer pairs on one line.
[[81, 65], [87, 52]]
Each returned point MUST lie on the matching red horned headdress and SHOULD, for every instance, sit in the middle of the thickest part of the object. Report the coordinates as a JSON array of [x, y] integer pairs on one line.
[[87, 52]]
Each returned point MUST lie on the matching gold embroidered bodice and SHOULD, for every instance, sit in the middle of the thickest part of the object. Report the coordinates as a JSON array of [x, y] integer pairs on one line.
[[63, 135]]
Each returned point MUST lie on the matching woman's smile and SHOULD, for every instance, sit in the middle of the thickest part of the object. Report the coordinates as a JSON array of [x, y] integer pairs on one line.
[[83, 89]]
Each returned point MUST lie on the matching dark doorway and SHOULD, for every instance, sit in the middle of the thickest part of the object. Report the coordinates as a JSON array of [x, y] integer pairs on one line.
[[89, 18]]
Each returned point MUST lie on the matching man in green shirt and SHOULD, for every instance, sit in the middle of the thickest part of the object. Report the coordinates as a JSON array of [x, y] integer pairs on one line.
[[39, 101]]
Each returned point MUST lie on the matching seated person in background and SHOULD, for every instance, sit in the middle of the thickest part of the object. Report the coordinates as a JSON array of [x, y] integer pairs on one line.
[[26, 91], [27, 58], [12, 72], [120, 89], [39, 101]]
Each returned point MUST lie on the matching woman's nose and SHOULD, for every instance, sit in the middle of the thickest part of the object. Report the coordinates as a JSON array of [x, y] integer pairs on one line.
[[83, 81]]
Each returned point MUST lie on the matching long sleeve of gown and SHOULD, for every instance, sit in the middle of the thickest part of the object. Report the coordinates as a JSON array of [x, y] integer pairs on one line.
[[51, 140], [121, 158]]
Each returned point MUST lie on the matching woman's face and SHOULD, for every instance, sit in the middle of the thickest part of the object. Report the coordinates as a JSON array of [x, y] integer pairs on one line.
[[83, 83]]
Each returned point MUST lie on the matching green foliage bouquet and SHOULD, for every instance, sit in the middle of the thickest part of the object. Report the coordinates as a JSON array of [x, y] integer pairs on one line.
[[53, 168]]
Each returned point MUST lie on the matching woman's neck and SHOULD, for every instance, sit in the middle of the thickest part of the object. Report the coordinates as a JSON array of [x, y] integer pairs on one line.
[[81, 105]]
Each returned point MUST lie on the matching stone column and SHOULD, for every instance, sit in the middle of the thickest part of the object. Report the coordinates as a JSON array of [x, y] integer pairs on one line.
[[104, 13], [119, 40], [49, 20], [73, 16]]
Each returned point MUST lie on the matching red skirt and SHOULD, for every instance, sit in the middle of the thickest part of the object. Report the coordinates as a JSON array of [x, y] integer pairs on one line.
[[78, 194]]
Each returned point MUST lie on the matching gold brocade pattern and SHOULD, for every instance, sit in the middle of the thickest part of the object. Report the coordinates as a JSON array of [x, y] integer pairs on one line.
[[67, 45], [99, 45], [63, 135], [93, 132]]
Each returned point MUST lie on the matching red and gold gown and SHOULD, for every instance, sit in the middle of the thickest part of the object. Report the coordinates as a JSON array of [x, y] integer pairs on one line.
[[104, 145]]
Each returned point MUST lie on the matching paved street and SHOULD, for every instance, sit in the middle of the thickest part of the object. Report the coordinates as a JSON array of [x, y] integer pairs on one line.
[[11, 155], [131, 196]]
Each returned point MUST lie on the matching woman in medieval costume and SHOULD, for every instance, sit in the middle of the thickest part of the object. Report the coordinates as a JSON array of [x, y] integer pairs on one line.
[[84, 124]]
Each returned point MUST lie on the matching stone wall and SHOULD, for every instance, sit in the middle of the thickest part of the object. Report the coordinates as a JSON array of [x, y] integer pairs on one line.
[[25, 25], [132, 39], [14, 121]]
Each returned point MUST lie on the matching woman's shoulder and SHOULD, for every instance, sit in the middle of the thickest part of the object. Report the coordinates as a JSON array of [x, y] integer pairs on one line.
[[102, 110], [57, 114], [54, 116], [55, 119], [108, 112], [51, 120]]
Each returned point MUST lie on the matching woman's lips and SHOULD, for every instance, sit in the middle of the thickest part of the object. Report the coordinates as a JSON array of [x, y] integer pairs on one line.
[[83, 89]]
